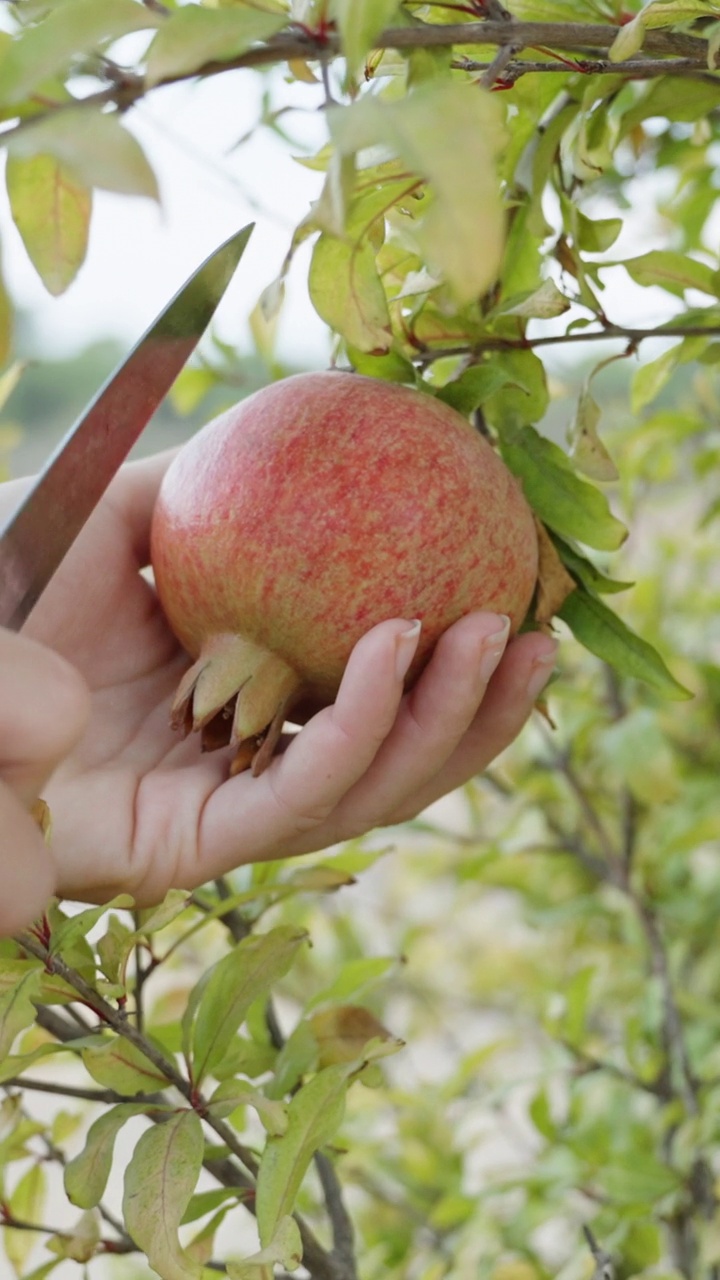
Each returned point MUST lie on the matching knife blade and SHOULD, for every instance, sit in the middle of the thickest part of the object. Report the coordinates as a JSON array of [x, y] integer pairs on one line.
[[37, 537]]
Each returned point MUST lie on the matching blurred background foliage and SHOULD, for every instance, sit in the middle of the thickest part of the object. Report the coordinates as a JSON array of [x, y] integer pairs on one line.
[[545, 942]]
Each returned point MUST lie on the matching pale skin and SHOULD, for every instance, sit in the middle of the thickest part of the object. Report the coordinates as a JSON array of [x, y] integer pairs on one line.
[[85, 691]]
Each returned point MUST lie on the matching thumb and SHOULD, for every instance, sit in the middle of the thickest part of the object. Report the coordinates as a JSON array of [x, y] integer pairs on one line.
[[44, 705]]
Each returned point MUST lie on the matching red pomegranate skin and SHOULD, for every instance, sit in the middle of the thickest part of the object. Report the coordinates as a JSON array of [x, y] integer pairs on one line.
[[328, 502]]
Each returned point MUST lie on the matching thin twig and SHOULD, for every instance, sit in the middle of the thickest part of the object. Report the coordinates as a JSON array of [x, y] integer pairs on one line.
[[108, 1097], [340, 1220]]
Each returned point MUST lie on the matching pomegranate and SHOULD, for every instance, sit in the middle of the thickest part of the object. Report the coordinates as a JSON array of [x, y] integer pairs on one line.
[[307, 513]]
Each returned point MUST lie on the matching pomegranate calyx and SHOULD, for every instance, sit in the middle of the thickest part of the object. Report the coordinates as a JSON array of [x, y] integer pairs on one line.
[[243, 685]]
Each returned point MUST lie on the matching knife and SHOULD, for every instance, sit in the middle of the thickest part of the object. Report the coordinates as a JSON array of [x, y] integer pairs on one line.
[[39, 534]]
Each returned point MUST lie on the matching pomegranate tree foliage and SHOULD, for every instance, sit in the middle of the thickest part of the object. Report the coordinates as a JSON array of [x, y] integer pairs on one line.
[[546, 949]]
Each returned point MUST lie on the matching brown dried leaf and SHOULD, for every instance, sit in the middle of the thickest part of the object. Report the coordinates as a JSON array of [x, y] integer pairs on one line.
[[554, 582], [342, 1032]]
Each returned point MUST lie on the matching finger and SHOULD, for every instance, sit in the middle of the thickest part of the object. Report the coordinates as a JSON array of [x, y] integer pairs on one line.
[[431, 722], [299, 789], [134, 492], [26, 866], [433, 718], [44, 707], [509, 701]]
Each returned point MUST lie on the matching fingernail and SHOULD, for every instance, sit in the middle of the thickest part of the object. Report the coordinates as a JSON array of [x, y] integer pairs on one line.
[[493, 648], [540, 672], [405, 647]]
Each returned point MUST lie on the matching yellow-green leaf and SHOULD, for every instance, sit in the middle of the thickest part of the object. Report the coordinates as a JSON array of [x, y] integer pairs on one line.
[[117, 1064], [232, 986], [586, 448], [284, 1249], [17, 1010], [159, 1181], [74, 28], [359, 23], [450, 134], [672, 271], [26, 1204], [52, 213], [347, 293], [194, 36], [6, 323], [95, 148], [87, 1173], [629, 40], [315, 1113]]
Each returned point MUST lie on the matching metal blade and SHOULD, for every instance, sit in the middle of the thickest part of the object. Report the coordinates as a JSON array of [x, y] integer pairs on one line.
[[40, 533]]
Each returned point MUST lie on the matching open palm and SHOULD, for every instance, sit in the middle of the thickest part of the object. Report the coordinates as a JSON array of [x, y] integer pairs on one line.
[[137, 809]]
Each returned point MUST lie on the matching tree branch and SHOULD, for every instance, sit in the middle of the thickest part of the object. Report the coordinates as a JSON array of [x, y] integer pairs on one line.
[[321, 1264], [295, 44]]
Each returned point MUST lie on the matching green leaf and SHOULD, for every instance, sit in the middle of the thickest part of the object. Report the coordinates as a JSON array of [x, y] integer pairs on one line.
[[153, 919], [651, 377], [17, 1010], [541, 304], [16, 1064], [697, 100], [586, 572], [671, 13], [232, 1094], [87, 1173], [347, 293], [473, 387], [206, 1201], [596, 235], [117, 1064], [26, 1204], [78, 926], [315, 1114], [159, 1181], [359, 23], [77, 27], [450, 134], [586, 448], [285, 1249], [194, 36], [234, 983], [52, 213], [629, 40], [389, 367], [94, 148], [568, 505], [674, 272], [607, 636], [523, 396]]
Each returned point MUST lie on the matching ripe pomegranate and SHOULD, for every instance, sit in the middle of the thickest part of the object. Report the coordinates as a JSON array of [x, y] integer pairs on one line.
[[307, 513]]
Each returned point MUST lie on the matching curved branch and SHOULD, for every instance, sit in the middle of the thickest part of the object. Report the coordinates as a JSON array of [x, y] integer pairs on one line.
[[687, 53]]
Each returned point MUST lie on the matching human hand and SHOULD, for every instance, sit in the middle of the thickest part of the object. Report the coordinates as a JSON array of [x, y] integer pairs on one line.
[[136, 810]]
